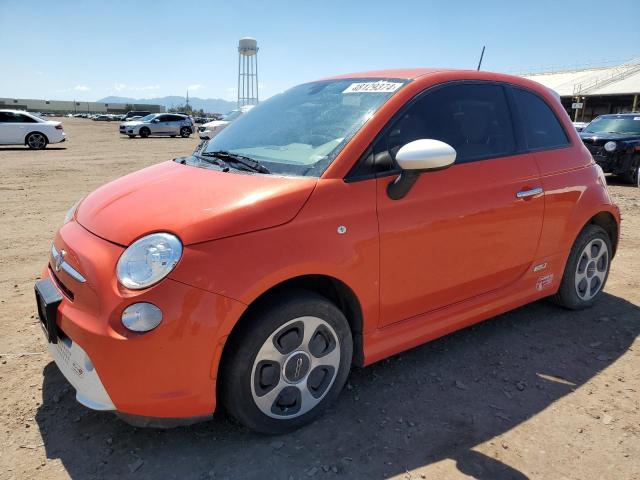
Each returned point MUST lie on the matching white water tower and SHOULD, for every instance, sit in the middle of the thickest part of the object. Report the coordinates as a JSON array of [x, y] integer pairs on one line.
[[247, 71]]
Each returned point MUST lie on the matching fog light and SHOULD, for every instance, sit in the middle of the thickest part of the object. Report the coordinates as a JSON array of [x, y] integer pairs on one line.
[[141, 317], [610, 146]]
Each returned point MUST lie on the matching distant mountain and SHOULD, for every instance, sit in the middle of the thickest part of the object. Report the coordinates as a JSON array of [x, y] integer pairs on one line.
[[209, 105]]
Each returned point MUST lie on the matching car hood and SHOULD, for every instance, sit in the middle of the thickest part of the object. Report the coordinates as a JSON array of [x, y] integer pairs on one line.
[[604, 136], [215, 123], [196, 204]]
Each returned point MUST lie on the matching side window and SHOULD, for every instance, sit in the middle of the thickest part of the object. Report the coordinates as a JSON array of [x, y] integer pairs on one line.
[[542, 129], [472, 118], [6, 117], [24, 119]]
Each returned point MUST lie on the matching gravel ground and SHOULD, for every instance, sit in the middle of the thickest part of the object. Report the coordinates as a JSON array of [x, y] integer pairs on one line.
[[535, 393]]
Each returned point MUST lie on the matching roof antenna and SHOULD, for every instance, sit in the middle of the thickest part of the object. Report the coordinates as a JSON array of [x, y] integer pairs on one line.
[[481, 57]]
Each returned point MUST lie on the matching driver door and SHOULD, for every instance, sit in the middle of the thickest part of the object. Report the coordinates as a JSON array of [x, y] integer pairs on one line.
[[462, 231], [159, 127]]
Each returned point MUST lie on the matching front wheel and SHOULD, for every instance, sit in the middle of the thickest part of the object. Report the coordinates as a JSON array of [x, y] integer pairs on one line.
[[587, 269], [185, 132], [145, 132], [287, 364], [631, 176]]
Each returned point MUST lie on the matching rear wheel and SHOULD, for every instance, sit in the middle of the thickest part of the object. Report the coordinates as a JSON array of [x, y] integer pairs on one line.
[[288, 363], [587, 269], [185, 132], [36, 141], [145, 132]]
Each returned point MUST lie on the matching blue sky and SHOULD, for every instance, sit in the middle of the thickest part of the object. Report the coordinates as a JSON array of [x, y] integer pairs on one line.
[[86, 50]]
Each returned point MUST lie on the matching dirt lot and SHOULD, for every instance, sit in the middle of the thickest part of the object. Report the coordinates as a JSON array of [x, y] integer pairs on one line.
[[536, 393]]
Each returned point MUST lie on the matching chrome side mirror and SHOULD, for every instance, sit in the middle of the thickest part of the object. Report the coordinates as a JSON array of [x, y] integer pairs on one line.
[[416, 157]]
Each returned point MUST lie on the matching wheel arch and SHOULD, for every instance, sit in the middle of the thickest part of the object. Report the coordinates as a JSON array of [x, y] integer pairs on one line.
[[46, 137], [331, 288], [608, 222]]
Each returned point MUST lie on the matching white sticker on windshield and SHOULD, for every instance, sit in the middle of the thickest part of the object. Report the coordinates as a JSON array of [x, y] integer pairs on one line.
[[636, 118], [381, 86]]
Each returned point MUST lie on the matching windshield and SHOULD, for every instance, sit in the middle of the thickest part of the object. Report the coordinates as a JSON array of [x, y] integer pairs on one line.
[[232, 115], [629, 125], [148, 118], [301, 131]]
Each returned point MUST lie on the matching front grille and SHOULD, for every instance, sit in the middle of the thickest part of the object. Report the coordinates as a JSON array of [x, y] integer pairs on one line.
[[201, 129], [595, 149], [66, 290]]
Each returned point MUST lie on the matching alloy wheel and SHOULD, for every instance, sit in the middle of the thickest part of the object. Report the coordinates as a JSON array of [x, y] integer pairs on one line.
[[295, 368], [592, 268], [36, 141]]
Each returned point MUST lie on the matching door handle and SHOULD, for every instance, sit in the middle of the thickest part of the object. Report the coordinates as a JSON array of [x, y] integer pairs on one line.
[[529, 193]]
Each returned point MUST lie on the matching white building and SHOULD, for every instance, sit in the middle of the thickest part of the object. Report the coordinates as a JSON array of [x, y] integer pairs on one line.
[[70, 106], [600, 90]]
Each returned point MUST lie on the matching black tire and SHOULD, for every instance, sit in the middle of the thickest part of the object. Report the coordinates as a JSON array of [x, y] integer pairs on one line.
[[236, 385], [185, 132], [132, 136], [145, 132], [632, 175], [568, 295], [36, 141], [172, 136]]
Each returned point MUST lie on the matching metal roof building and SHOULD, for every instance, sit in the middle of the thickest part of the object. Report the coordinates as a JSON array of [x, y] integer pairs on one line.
[[614, 89], [68, 106]]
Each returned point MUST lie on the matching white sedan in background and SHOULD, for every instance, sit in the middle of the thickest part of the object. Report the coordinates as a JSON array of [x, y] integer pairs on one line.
[[22, 128], [211, 129]]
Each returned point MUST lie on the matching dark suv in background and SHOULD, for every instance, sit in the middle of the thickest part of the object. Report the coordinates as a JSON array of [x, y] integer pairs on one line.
[[614, 143]]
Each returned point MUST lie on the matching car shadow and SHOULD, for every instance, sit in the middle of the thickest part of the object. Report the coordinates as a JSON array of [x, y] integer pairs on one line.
[[434, 402], [614, 180], [27, 149]]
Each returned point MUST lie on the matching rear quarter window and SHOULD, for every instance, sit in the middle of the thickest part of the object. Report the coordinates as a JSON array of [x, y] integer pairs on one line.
[[542, 129]]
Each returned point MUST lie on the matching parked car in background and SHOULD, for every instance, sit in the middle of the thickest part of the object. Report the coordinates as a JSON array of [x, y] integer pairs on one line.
[[135, 113], [614, 142], [161, 124], [211, 129], [579, 126], [337, 224], [22, 128], [103, 118]]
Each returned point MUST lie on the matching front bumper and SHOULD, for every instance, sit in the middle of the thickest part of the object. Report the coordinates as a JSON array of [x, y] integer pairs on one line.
[[78, 369], [617, 162], [169, 372]]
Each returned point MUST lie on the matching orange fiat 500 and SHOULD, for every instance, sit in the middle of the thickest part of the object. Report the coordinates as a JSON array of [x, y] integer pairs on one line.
[[335, 224]]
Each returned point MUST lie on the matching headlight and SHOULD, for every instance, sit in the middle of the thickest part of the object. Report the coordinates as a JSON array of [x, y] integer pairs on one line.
[[610, 146], [72, 211], [148, 260]]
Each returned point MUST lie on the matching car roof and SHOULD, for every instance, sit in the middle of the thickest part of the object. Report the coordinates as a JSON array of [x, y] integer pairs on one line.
[[441, 75], [626, 114], [404, 73]]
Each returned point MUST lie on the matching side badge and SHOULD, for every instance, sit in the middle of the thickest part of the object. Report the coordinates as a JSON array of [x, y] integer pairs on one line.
[[544, 281], [540, 266], [342, 230]]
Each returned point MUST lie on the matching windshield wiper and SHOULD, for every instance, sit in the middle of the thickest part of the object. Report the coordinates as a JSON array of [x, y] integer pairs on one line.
[[248, 162], [213, 159]]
